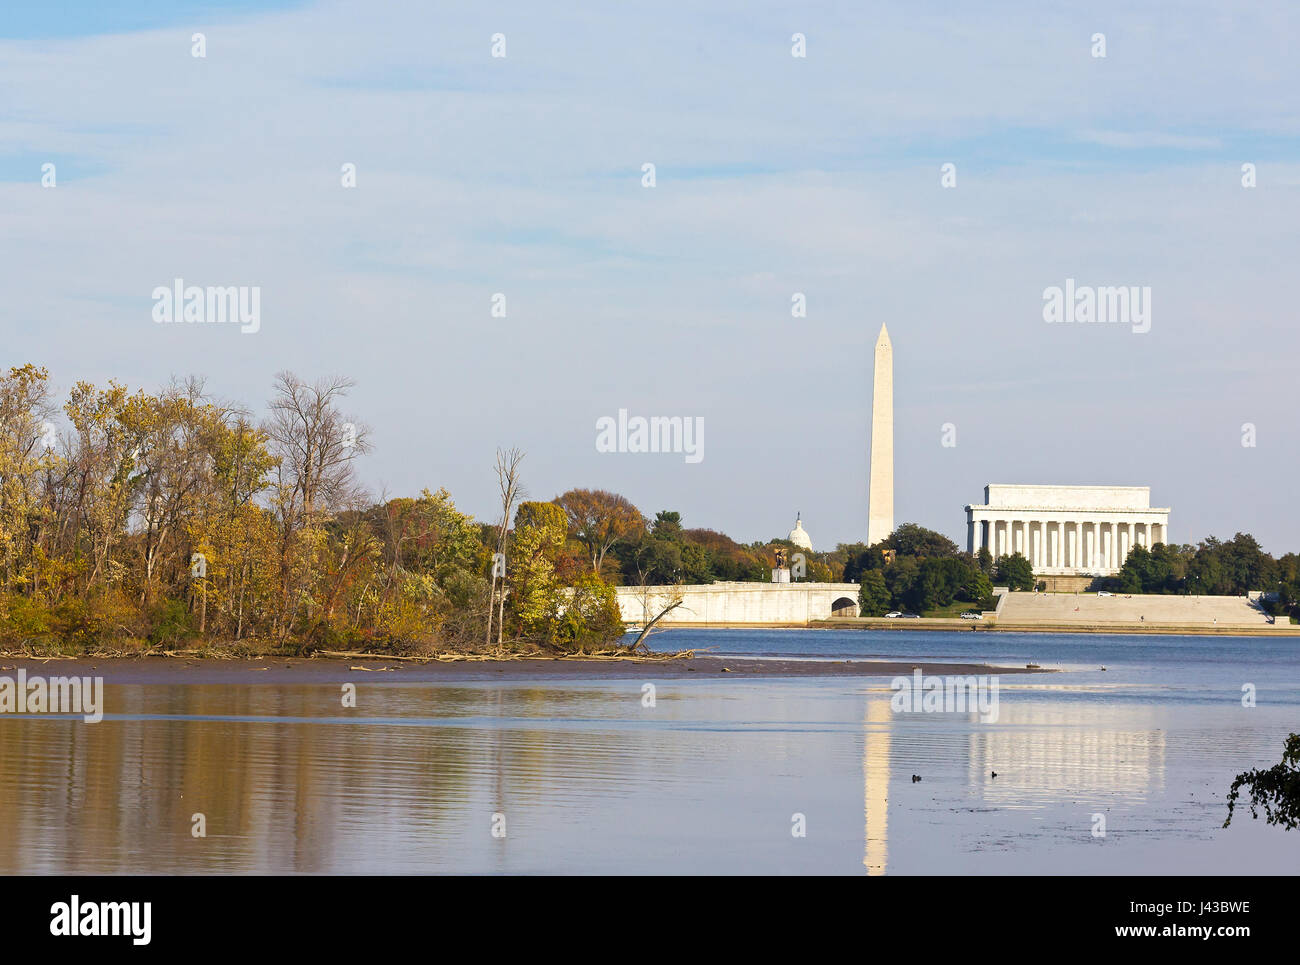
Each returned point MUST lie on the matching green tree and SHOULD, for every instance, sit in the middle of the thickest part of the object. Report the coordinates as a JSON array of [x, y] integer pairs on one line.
[[695, 564], [667, 524], [590, 616], [1015, 572], [1276, 790], [978, 589], [858, 558], [911, 539], [873, 595], [900, 577]]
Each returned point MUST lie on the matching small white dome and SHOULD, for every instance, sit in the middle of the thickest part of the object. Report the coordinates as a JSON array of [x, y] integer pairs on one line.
[[799, 536]]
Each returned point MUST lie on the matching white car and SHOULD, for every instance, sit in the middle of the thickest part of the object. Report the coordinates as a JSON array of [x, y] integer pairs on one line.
[[1104, 593], [972, 615], [894, 614]]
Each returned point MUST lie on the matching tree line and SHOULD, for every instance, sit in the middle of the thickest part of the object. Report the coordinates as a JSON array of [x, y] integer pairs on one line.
[[160, 520], [1213, 567]]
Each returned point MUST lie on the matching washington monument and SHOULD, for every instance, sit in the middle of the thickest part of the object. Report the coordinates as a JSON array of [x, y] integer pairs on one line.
[[880, 499]]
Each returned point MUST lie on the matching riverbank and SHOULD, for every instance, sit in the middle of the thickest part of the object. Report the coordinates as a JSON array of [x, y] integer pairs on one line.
[[997, 626], [318, 670]]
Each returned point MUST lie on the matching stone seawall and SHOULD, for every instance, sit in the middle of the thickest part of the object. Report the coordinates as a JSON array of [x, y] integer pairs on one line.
[[739, 604]]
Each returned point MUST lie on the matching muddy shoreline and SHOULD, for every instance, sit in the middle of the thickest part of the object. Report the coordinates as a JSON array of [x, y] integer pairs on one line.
[[317, 670]]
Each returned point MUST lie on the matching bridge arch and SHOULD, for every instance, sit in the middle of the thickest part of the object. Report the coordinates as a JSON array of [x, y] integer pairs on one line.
[[844, 607]]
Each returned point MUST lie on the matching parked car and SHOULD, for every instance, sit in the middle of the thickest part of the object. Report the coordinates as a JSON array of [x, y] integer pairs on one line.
[[911, 616], [893, 614], [1104, 593], [972, 615]]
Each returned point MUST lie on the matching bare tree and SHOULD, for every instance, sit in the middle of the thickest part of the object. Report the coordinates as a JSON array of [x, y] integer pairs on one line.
[[659, 600], [316, 443], [507, 470]]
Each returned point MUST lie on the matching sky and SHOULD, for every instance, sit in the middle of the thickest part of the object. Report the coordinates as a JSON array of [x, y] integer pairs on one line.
[[522, 175]]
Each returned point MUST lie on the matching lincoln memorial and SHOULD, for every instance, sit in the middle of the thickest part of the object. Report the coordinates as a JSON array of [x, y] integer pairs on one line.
[[1066, 530]]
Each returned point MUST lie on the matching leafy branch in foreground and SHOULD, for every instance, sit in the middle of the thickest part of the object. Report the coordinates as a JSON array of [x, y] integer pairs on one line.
[[1276, 790]]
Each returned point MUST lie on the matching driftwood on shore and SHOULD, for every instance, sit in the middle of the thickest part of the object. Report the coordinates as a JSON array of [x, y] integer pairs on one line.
[[495, 657], [220, 653]]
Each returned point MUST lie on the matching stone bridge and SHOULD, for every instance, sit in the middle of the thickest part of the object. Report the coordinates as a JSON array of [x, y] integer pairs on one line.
[[740, 604]]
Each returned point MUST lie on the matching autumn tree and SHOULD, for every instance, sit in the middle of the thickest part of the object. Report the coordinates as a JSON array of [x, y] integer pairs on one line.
[[539, 533], [25, 411], [598, 519]]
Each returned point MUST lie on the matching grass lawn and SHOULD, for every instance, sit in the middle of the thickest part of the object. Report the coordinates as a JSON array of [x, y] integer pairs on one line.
[[953, 610]]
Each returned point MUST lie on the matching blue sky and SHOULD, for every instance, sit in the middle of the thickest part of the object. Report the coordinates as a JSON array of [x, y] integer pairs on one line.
[[88, 18], [775, 175]]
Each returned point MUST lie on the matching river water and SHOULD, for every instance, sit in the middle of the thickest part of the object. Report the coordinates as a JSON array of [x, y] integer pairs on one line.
[[1115, 771]]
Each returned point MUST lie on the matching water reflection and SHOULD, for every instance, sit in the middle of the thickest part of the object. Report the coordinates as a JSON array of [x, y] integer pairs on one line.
[[591, 781], [1040, 750], [875, 779]]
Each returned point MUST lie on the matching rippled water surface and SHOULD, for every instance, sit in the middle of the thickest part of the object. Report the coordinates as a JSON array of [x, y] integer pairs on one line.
[[587, 779]]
